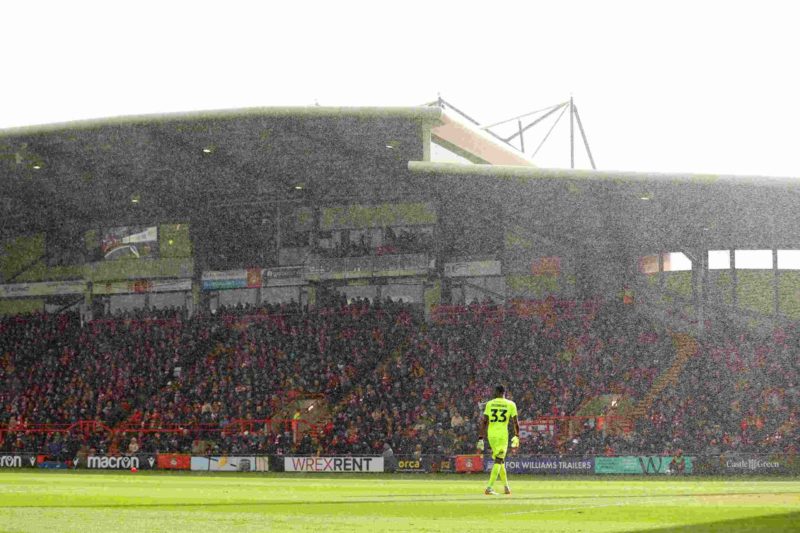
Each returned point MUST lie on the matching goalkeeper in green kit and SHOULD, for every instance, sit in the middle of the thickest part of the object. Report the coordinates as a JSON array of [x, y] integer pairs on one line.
[[496, 417]]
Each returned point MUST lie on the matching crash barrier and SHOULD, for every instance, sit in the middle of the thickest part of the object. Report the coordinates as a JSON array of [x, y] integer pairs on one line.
[[646, 465]]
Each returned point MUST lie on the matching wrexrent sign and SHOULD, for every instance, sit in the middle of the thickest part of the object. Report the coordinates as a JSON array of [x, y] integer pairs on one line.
[[333, 464], [648, 464]]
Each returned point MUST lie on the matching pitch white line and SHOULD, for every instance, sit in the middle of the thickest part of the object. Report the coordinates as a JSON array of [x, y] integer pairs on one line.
[[621, 504], [566, 508]]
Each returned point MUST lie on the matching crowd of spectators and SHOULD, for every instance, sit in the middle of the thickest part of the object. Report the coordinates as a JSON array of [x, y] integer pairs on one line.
[[739, 393], [171, 372], [170, 383], [552, 355]]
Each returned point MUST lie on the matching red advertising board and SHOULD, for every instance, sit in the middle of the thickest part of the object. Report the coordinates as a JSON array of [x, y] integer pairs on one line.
[[174, 461], [469, 463]]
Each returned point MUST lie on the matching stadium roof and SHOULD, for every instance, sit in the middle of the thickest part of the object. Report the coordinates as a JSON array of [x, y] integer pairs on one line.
[[183, 166], [631, 212], [134, 169], [92, 171]]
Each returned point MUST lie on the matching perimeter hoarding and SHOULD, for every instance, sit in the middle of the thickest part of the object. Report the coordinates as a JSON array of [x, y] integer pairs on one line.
[[230, 464], [738, 464], [423, 464], [17, 460], [174, 461], [333, 464], [412, 464], [469, 463], [643, 464], [546, 465], [125, 462]]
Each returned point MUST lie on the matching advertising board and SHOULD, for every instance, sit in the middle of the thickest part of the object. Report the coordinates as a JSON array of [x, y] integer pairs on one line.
[[411, 464], [44, 288], [250, 278], [469, 463], [284, 276], [739, 464], [230, 464], [16, 460], [546, 465], [174, 461], [124, 462], [333, 464], [644, 464]]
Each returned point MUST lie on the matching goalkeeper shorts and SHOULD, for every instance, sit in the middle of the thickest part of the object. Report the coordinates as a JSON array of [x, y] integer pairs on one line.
[[499, 445]]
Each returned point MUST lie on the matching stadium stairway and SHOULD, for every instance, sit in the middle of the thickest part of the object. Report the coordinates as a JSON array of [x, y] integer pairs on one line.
[[686, 347]]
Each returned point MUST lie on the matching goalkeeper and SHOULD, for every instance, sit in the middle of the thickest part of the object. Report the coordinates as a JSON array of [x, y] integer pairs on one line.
[[496, 417]]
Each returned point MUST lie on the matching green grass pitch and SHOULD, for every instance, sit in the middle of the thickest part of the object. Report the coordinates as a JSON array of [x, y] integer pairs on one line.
[[215, 503]]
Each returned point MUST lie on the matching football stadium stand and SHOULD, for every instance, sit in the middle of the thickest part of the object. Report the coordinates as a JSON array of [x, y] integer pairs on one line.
[[313, 281]]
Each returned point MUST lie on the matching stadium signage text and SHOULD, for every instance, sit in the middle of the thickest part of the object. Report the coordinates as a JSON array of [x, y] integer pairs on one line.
[[648, 464], [409, 463], [333, 464], [752, 464], [546, 465], [18, 461], [10, 461], [112, 463]]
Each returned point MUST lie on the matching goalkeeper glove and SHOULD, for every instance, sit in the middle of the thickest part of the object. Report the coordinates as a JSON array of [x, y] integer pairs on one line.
[[479, 446], [515, 442]]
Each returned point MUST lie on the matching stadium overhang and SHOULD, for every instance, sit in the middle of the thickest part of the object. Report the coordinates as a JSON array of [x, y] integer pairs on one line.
[[630, 212], [128, 170], [474, 144]]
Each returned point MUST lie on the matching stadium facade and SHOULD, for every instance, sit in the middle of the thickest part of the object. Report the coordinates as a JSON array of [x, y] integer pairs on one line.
[[280, 204]]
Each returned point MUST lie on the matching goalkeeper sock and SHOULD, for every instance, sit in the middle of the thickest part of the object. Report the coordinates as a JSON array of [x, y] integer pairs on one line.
[[495, 473], [503, 476]]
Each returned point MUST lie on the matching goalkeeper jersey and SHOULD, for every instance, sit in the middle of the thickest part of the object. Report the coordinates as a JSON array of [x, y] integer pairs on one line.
[[499, 411]]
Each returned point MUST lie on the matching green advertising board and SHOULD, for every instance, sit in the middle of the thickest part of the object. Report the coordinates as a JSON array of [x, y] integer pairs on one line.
[[643, 464]]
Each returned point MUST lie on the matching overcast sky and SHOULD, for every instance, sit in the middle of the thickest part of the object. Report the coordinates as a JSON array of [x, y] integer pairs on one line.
[[706, 87]]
